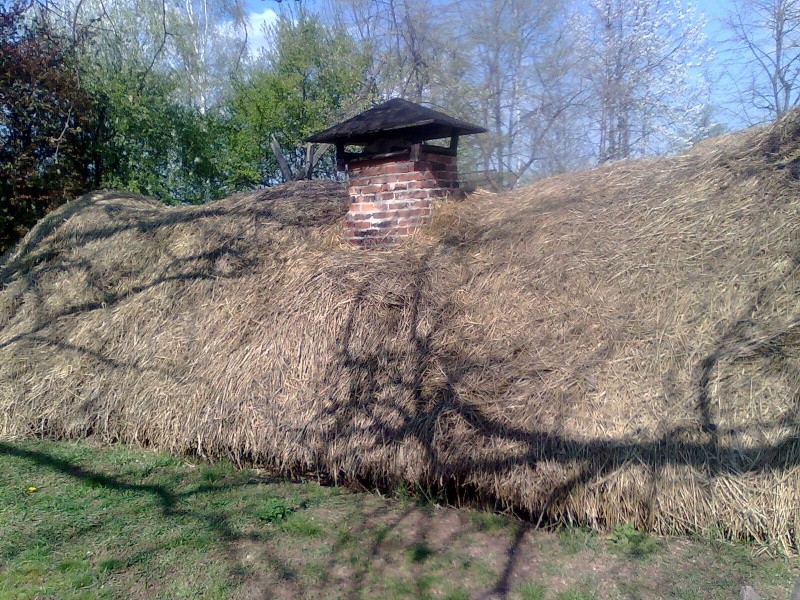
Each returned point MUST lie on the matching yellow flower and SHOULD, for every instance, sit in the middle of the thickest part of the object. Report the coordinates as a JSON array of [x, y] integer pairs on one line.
[[32, 489]]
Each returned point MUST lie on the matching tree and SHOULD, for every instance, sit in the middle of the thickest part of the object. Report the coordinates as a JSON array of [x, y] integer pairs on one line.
[[404, 39], [309, 78], [767, 32], [505, 64], [159, 73], [639, 59], [155, 146], [519, 66], [206, 48], [47, 121]]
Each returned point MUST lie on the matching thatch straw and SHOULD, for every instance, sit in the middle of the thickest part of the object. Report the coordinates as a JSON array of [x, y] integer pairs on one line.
[[616, 345]]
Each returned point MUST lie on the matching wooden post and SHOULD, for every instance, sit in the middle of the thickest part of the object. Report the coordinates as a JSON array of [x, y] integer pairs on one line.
[[340, 156], [313, 156], [454, 142]]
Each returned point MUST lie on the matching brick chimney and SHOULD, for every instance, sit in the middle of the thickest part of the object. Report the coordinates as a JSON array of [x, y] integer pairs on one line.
[[396, 176]]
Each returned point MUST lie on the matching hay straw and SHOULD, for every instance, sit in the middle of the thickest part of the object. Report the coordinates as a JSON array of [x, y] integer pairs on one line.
[[616, 345]]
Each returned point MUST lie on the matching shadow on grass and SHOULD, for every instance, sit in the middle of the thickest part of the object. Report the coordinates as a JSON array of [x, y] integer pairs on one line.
[[170, 504], [236, 547]]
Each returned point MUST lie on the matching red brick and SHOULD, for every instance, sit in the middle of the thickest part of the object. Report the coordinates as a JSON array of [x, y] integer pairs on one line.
[[408, 176], [414, 212], [361, 207], [361, 225]]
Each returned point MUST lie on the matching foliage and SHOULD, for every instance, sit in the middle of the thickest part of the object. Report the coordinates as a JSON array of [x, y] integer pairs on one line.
[[274, 510], [632, 541], [313, 75], [47, 122], [157, 147]]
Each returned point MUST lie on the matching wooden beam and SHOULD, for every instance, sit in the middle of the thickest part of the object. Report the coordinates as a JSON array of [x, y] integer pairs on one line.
[[282, 164], [340, 160], [313, 156]]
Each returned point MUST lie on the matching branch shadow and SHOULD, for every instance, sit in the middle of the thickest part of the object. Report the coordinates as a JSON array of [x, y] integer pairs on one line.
[[381, 377]]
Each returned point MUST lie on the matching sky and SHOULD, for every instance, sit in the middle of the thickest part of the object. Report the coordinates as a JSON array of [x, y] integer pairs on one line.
[[261, 15], [265, 12]]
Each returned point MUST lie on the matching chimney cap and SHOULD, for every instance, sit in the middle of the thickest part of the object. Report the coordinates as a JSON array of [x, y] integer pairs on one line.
[[396, 118]]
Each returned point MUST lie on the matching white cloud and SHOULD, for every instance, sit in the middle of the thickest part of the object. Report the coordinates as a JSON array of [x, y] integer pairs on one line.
[[256, 40]]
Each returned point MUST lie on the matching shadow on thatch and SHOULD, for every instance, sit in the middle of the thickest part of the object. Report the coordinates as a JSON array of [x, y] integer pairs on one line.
[[617, 345]]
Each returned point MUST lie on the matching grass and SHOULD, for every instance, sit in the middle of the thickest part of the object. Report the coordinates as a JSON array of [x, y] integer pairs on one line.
[[576, 539], [83, 522], [629, 540], [531, 591]]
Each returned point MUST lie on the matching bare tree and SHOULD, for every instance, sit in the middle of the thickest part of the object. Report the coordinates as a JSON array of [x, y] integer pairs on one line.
[[404, 38], [207, 43], [505, 64], [198, 43], [638, 61], [520, 73], [767, 33]]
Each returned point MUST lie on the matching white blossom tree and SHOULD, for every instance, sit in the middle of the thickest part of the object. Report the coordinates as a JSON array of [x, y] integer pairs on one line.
[[641, 61]]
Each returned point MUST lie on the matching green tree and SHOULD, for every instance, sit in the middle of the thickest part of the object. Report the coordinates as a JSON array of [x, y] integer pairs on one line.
[[313, 75], [48, 122], [155, 146], [159, 71]]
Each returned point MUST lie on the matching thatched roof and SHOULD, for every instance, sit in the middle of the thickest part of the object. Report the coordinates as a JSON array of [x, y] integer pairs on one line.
[[616, 345], [395, 118]]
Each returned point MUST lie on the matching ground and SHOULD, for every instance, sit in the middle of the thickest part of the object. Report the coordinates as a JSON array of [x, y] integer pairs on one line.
[[79, 521]]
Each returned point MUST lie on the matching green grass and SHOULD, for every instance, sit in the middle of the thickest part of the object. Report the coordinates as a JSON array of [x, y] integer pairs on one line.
[[629, 540], [576, 539], [577, 594], [531, 591], [420, 552], [488, 521], [83, 522]]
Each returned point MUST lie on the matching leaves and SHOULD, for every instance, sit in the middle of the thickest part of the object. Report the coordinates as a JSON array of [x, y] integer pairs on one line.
[[46, 122], [302, 85]]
